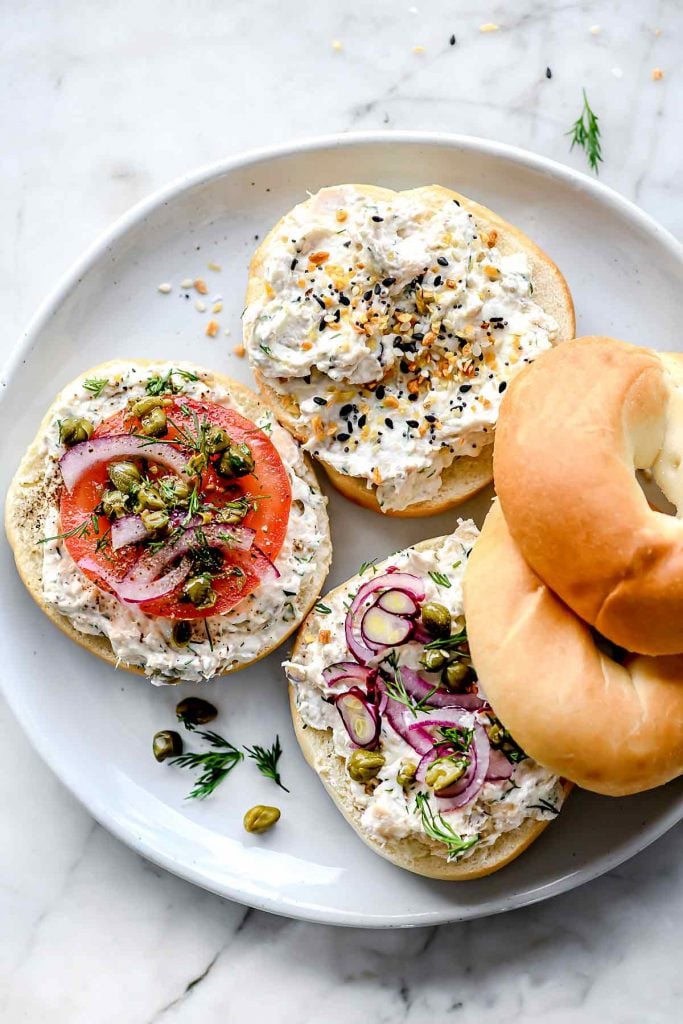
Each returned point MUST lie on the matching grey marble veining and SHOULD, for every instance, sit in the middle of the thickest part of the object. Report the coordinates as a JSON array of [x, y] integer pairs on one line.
[[101, 104]]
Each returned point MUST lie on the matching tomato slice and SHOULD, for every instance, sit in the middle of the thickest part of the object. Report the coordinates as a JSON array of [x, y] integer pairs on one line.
[[267, 488]]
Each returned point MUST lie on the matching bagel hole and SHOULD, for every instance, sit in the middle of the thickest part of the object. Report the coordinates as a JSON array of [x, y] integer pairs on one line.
[[656, 498]]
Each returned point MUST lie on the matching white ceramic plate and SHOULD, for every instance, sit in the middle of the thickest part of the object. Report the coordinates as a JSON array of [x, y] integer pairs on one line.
[[94, 726]]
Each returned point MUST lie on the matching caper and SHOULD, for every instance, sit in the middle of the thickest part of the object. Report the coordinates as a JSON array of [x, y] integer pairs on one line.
[[155, 522], [195, 711], [197, 464], [147, 497], [444, 772], [457, 675], [436, 619], [406, 773], [236, 460], [113, 504], [217, 440], [72, 431], [433, 661], [233, 512], [260, 818], [166, 744], [144, 406], [125, 476], [181, 634], [364, 765], [181, 489], [199, 591], [496, 733], [154, 423]]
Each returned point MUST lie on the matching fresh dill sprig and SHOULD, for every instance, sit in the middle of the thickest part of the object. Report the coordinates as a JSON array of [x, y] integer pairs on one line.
[[585, 132], [396, 688], [458, 737], [165, 385], [82, 530], [266, 759], [322, 609], [215, 765], [95, 385], [545, 805], [436, 827], [364, 566], [440, 579], [447, 643], [264, 348]]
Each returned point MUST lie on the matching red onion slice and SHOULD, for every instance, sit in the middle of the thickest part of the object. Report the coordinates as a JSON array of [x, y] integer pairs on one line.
[[398, 603], [391, 580], [361, 720], [346, 670], [82, 457], [419, 689], [481, 750], [127, 530], [499, 766], [228, 538], [135, 593], [380, 629]]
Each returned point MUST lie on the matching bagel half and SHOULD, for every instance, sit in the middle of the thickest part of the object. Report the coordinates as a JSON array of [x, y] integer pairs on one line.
[[573, 430], [29, 502], [422, 856], [465, 475], [611, 727]]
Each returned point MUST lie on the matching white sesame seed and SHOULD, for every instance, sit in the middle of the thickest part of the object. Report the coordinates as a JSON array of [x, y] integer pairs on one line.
[[489, 27], [226, 332], [595, 30], [165, 288], [200, 306], [336, 44], [186, 283]]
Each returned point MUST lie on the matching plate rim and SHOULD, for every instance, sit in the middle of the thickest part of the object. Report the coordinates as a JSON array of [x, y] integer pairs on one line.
[[69, 280]]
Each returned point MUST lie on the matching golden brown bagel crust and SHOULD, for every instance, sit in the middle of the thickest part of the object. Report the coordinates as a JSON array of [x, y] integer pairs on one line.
[[572, 429], [27, 505], [611, 728], [413, 854], [465, 476]]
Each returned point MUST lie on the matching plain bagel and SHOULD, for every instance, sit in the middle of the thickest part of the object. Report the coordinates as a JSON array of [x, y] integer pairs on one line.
[[573, 430], [611, 727]]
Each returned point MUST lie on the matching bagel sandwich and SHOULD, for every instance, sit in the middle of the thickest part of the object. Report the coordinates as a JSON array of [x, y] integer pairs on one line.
[[165, 522], [608, 720], [388, 712], [384, 328]]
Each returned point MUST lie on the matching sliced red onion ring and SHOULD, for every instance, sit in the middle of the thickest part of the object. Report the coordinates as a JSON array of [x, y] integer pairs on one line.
[[361, 720], [419, 689], [377, 694], [423, 734], [413, 586], [82, 457], [480, 752], [499, 766], [133, 593], [127, 530], [346, 670], [398, 603], [380, 629]]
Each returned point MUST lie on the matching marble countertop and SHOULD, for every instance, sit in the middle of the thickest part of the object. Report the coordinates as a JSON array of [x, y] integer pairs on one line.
[[103, 103]]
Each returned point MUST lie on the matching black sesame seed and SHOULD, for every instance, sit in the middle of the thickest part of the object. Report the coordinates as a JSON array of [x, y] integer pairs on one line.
[[465, 387], [343, 437], [437, 280], [319, 301], [319, 401], [502, 386], [389, 423], [403, 365], [388, 281], [368, 296], [380, 392], [293, 263], [345, 410], [322, 325], [412, 423], [442, 261], [412, 398], [548, 73], [362, 420], [344, 301], [418, 335], [452, 40], [378, 220], [430, 419], [377, 288]]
